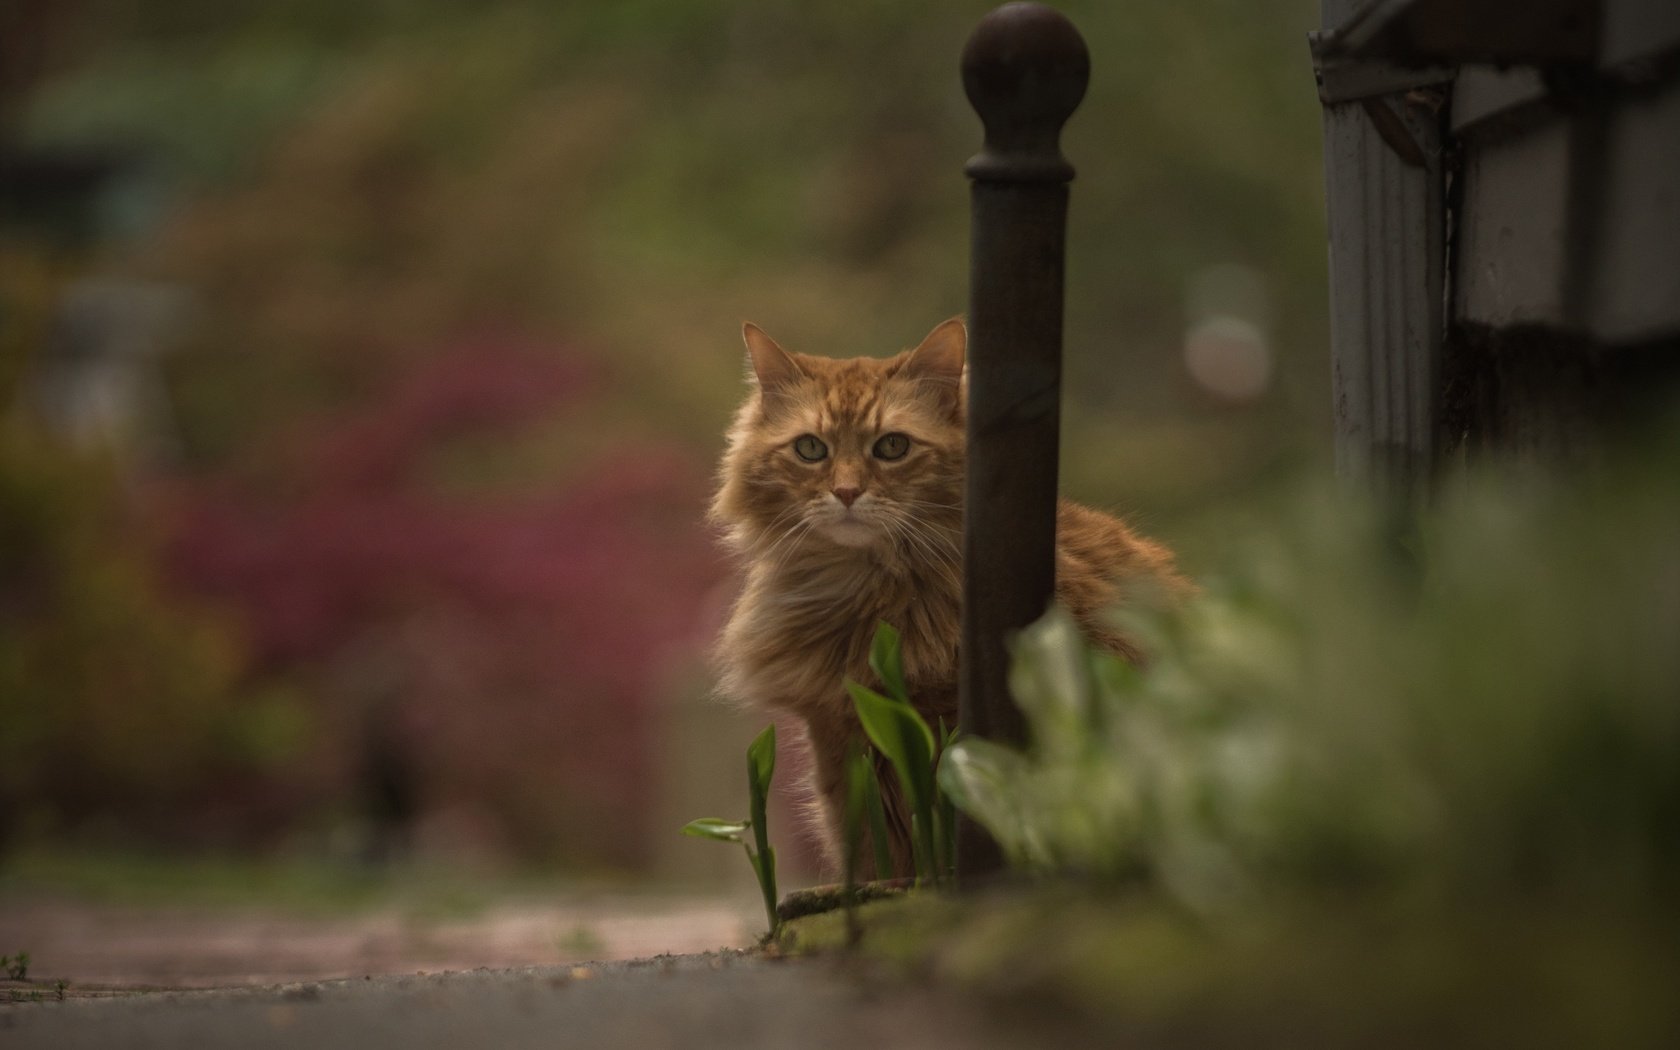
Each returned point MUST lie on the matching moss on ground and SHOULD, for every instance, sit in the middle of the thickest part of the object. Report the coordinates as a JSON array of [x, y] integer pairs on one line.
[[1537, 975]]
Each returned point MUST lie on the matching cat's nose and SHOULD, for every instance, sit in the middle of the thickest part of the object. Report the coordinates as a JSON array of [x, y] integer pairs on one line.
[[846, 494]]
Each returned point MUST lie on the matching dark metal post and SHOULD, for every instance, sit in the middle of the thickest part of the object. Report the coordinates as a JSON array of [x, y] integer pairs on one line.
[[1025, 70]]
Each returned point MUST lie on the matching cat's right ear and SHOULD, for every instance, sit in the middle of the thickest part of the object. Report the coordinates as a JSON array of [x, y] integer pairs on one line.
[[937, 363], [772, 365]]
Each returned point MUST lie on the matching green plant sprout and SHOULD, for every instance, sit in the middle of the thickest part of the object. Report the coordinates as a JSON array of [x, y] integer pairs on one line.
[[903, 737], [863, 804], [16, 966], [761, 767]]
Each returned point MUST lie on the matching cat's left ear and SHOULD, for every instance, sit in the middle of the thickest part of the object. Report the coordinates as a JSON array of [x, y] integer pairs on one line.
[[938, 361], [771, 364]]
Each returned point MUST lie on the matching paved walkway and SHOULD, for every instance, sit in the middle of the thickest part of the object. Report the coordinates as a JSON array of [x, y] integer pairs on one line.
[[200, 979], [721, 1001], [98, 948]]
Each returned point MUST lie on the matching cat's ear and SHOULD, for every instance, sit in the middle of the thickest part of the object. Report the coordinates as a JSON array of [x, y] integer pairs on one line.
[[770, 363], [937, 363]]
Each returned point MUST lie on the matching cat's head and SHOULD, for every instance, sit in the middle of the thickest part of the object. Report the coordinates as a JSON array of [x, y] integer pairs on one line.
[[861, 453]]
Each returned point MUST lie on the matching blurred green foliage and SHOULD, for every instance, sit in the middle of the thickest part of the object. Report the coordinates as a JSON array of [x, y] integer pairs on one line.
[[360, 179], [1328, 972], [1480, 712], [118, 699]]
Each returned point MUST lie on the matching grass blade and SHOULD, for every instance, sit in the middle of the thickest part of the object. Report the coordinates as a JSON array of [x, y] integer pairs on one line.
[[877, 811], [716, 829], [886, 659], [761, 769], [904, 738]]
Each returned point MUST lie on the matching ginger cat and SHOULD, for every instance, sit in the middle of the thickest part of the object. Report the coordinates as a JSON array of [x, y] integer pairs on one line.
[[841, 493]]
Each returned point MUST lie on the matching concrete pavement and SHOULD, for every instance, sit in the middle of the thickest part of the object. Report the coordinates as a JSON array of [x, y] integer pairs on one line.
[[724, 1000]]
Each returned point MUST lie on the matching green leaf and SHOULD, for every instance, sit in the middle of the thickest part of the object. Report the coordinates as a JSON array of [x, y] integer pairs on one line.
[[945, 820], [716, 829], [878, 828], [864, 803], [761, 769], [1050, 678], [904, 738], [764, 866], [987, 781], [761, 761], [894, 727], [886, 659], [947, 734]]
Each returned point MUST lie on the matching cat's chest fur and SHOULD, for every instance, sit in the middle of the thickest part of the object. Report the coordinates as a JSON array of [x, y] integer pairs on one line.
[[797, 635]]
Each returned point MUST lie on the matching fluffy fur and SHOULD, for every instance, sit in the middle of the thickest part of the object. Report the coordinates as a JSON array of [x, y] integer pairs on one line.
[[836, 535]]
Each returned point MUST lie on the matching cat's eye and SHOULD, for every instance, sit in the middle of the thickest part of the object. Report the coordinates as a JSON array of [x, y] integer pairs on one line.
[[810, 448], [892, 446]]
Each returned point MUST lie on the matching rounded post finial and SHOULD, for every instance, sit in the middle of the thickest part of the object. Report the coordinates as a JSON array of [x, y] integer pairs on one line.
[[1024, 69]]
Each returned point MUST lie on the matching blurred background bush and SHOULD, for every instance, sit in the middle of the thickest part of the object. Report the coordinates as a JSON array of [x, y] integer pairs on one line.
[[364, 366]]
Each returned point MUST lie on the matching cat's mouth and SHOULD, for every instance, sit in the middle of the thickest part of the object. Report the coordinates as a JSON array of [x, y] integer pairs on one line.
[[849, 528]]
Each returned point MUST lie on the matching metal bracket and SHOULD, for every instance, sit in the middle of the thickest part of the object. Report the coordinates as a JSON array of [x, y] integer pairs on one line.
[[1344, 79]]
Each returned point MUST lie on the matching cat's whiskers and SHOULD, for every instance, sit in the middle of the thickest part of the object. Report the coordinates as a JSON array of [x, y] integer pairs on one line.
[[793, 546], [784, 545], [944, 519], [928, 504], [895, 530], [941, 552], [914, 543], [766, 538], [938, 539]]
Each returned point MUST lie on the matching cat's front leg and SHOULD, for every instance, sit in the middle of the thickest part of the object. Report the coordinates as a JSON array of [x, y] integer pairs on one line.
[[832, 741]]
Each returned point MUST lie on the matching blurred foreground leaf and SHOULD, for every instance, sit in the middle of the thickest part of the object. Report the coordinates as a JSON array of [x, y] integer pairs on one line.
[[1492, 714]]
